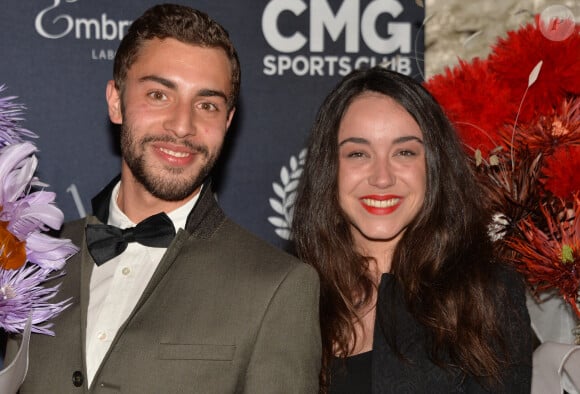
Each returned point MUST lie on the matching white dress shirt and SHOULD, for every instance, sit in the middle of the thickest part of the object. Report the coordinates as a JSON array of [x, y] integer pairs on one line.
[[117, 285]]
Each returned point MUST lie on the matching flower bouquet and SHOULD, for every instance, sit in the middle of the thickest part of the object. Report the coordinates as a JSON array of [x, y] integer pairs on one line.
[[518, 114], [29, 256]]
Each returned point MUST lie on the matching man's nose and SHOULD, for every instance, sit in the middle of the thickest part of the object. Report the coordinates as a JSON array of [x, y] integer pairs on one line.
[[181, 120]]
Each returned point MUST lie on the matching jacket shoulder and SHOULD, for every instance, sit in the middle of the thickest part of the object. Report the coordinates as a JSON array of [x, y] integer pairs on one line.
[[73, 230], [247, 249]]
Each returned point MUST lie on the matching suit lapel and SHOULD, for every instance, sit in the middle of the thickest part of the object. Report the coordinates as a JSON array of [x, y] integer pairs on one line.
[[86, 267], [206, 216]]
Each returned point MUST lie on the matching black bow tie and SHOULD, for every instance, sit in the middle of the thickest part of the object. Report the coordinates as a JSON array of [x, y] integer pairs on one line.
[[105, 242]]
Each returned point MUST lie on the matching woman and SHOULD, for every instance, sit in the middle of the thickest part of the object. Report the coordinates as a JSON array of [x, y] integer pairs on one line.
[[389, 213]]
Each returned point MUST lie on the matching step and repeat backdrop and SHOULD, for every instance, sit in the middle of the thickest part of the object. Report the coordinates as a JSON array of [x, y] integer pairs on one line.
[[57, 56]]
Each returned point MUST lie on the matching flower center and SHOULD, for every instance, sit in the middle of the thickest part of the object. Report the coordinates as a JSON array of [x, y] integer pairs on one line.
[[12, 250]]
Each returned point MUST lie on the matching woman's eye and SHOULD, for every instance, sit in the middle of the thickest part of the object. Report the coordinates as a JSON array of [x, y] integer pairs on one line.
[[356, 154], [406, 153]]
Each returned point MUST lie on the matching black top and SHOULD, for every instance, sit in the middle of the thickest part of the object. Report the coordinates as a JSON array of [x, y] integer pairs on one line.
[[351, 375], [418, 374]]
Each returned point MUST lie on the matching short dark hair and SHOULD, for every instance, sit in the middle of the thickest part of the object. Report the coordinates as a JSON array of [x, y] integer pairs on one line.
[[184, 24]]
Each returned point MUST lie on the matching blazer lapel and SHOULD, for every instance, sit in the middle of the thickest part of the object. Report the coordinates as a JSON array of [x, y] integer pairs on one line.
[[86, 268], [206, 216]]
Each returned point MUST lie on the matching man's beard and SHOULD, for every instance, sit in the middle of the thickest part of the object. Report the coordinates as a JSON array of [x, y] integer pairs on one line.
[[164, 186]]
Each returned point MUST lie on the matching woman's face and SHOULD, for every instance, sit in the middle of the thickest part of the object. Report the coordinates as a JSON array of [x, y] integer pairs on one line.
[[381, 169]]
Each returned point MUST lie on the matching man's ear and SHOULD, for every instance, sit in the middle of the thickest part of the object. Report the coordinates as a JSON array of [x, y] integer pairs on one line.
[[114, 103], [230, 117]]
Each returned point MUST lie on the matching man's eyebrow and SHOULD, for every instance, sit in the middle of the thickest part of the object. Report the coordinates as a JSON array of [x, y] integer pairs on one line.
[[212, 93], [163, 81], [173, 86]]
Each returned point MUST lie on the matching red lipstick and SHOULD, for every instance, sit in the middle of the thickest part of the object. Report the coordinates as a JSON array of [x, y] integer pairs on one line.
[[381, 205]]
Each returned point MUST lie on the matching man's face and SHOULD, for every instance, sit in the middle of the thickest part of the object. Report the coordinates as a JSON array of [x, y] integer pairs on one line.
[[174, 116]]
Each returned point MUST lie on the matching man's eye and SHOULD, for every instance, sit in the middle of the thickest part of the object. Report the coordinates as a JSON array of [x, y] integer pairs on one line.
[[209, 107], [157, 95]]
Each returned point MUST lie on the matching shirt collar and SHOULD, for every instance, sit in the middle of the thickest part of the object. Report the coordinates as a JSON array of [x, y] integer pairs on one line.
[[178, 216]]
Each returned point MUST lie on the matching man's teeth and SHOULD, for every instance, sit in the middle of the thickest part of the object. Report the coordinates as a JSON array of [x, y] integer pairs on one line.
[[381, 203], [173, 153]]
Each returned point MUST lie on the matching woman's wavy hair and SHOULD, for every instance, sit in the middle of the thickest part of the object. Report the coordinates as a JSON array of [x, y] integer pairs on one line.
[[442, 262], [184, 24]]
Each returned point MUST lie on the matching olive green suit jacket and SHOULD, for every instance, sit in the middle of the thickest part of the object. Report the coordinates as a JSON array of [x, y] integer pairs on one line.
[[224, 312]]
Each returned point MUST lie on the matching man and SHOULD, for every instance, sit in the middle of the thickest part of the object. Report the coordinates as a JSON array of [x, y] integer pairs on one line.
[[216, 311]]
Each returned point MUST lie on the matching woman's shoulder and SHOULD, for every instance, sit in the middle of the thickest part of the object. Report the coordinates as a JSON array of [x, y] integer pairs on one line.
[[510, 296], [507, 278]]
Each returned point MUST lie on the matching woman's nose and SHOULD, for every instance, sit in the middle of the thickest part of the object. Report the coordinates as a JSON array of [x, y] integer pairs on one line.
[[382, 174]]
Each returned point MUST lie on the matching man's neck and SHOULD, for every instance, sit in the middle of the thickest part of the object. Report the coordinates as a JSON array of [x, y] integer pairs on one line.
[[137, 203]]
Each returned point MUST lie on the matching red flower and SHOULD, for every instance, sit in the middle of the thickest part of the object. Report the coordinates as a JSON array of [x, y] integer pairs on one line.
[[556, 137], [514, 57], [561, 172], [551, 259], [523, 99], [476, 101]]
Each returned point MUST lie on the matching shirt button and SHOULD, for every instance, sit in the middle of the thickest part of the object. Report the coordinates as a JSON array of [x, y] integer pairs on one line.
[[126, 271], [101, 336], [77, 378]]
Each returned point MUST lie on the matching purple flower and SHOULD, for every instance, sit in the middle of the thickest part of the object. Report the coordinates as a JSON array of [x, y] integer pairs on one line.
[[49, 252], [22, 293], [10, 116], [32, 212], [27, 213], [28, 256], [17, 166]]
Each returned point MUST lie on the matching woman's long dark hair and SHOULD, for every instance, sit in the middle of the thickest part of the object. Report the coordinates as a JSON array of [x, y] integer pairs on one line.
[[442, 262]]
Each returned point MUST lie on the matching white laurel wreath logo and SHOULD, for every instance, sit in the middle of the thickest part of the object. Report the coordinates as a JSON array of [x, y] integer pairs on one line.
[[286, 192]]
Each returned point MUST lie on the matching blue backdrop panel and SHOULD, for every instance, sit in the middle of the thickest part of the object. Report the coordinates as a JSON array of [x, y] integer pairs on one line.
[[57, 58]]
